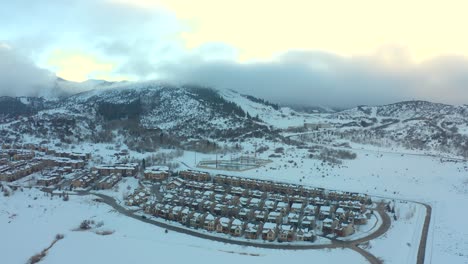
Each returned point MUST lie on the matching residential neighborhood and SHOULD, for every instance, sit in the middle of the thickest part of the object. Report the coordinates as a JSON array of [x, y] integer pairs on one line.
[[252, 208]]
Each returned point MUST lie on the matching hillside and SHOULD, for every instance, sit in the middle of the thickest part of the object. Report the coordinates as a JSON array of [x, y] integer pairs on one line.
[[412, 124]]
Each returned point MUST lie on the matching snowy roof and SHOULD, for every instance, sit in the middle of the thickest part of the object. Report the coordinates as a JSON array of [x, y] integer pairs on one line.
[[268, 226]]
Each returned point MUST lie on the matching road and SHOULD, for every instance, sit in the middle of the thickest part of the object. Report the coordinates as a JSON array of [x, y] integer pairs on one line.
[[425, 231], [352, 244]]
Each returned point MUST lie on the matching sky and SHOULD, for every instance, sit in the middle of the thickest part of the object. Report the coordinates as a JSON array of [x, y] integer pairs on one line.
[[333, 53]]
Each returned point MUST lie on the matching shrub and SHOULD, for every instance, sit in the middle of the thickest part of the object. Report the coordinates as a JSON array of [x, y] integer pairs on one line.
[[86, 224]]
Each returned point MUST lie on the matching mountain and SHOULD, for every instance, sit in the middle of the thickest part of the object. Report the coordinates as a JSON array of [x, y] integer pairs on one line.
[[147, 115], [411, 124]]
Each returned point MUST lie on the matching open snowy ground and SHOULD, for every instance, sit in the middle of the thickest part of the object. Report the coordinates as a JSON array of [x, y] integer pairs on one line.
[[442, 184], [29, 222]]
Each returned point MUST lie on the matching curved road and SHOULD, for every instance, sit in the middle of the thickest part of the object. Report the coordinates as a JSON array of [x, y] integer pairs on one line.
[[352, 244]]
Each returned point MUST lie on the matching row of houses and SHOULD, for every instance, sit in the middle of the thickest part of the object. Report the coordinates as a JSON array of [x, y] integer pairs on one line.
[[289, 189], [13, 171], [124, 169], [230, 225], [70, 155], [67, 163], [156, 173], [49, 180], [108, 182], [17, 154], [84, 180], [258, 199], [29, 146], [194, 175], [93, 179]]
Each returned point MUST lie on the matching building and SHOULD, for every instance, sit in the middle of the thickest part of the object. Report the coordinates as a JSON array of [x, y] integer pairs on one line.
[[269, 231], [286, 233], [195, 175], [236, 228], [223, 225], [84, 180], [157, 173], [124, 169], [252, 231], [49, 180], [108, 181]]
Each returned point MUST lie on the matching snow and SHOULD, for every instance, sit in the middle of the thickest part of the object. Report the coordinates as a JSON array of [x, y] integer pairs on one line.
[[388, 173], [405, 231], [132, 242]]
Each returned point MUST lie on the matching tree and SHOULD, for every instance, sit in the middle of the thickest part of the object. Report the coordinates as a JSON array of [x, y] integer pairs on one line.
[[143, 164]]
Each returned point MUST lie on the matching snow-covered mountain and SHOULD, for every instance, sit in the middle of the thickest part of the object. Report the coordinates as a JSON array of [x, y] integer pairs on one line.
[[149, 114], [413, 124]]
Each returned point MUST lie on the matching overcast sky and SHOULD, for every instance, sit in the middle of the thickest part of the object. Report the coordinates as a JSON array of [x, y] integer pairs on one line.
[[331, 53]]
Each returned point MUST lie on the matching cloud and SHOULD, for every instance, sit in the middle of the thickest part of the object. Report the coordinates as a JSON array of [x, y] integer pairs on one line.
[[21, 77], [132, 37], [319, 78]]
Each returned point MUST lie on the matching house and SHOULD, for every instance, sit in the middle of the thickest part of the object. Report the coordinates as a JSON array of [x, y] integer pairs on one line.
[[138, 197], [244, 201], [310, 236], [296, 207], [304, 235], [308, 222], [260, 215], [239, 191], [175, 183], [157, 173], [186, 214], [210, 222], [282, 207], [108, 181], [292, 219], [174, 213], [270, 205], [341, 214], [359, 219], [236, 228], [252, 231], [325, 212], [49, 180], [344, 229], [269, 231], [259, 194], [310, 210], [286, 233], [195, 175], [328, 226], [125, 169], [256, 203], [197, 220], [83, 181], [245, 213], [274, 217], [224, 225], [220, 209]]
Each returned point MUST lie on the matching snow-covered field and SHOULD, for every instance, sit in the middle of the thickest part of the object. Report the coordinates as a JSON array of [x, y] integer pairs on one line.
[[440, 183], [443, 185], [28, 225]]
